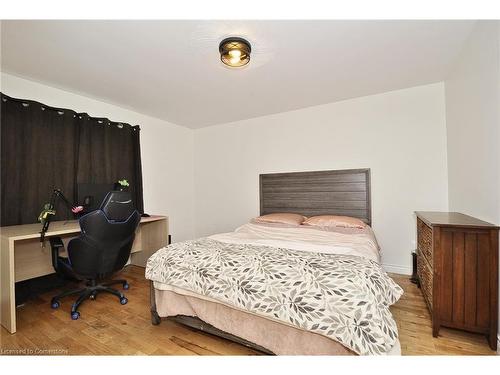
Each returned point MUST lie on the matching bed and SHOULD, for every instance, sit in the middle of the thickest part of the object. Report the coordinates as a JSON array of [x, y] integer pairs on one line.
[[286, 290]]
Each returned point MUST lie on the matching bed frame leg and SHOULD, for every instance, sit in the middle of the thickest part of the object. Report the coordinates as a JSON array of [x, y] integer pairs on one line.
[[155, 318]]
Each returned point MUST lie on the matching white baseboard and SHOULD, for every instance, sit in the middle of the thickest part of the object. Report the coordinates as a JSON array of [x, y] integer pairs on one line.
[[394, 268]]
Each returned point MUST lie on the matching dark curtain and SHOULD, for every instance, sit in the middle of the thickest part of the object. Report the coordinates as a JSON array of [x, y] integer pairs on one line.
[[43, 148], [37, 154], [110, 151]]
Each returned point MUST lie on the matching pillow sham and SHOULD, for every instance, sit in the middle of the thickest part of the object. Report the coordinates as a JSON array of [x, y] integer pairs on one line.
[[331, 221], [280, 218]]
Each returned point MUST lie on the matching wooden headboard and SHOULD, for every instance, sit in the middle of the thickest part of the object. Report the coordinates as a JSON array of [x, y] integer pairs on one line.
[[342, 192]]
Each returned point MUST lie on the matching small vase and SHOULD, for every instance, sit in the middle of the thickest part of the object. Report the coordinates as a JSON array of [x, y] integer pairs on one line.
[[119, 187]]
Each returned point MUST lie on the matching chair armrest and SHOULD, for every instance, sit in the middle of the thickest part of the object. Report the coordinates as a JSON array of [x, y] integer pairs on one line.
[[55, 244]]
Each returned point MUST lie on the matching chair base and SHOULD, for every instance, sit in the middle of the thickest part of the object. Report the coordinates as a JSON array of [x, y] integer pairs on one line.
[[90, 291]]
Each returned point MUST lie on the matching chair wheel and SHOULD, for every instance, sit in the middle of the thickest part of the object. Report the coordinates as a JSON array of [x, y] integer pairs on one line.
[[126, 286], [93, 296], [75, 315], [123, 300], [55, 304]]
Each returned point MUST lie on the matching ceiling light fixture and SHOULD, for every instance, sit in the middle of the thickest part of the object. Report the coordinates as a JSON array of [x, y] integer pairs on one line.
[[235, 52]]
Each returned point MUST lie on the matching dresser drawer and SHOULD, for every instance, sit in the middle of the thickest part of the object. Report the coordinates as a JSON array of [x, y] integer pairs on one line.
[[424, 271], [424, 240]]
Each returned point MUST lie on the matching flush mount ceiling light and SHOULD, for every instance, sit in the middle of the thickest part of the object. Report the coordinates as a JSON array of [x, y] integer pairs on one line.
[[235, 52]]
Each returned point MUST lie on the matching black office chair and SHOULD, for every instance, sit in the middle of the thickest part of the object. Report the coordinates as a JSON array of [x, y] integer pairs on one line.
[[102, 249]]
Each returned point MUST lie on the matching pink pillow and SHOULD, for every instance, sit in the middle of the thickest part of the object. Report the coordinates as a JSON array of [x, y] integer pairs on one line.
[[281, 218], [328, 221]]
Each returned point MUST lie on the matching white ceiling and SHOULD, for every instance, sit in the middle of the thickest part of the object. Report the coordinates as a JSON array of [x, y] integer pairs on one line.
[[171, 69]]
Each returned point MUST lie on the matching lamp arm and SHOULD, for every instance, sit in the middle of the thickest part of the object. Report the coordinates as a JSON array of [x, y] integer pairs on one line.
[[49, 211], [59, 194]]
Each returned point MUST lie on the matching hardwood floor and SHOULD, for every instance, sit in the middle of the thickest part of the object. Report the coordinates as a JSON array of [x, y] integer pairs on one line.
[[415, 329], [107, 328]]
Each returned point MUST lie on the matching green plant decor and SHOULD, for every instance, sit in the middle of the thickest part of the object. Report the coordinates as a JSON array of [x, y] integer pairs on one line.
[[123, 183]]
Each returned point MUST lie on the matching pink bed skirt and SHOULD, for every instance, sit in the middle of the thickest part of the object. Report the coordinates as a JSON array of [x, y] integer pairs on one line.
[[276, 337]]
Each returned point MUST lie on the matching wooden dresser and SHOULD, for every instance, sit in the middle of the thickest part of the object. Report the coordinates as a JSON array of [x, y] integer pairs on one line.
[[457, 263]]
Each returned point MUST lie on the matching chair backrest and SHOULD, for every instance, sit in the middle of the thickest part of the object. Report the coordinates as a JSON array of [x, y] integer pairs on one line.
[[106, 239]]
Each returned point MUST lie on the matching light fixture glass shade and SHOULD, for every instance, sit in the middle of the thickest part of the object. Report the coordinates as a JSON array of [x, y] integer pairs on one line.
[[235, 52]]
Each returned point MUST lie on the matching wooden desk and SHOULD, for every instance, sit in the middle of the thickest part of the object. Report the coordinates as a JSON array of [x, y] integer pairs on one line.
[[22, 257]]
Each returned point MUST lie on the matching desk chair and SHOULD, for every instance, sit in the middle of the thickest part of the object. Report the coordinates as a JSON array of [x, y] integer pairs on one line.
[[102, 249]]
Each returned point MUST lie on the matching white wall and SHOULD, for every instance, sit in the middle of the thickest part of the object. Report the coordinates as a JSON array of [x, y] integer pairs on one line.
[[473, 125], [472, 117], [166, 150], [400, 135]]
